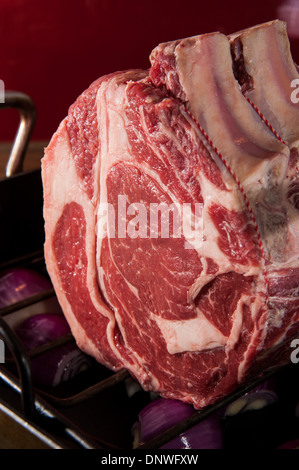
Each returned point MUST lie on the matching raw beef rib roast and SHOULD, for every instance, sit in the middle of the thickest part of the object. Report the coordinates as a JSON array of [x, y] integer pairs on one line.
[[171, 207]]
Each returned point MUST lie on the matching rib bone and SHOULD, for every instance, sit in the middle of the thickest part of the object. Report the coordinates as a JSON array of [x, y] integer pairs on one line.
[[256, 158], [268, 75]]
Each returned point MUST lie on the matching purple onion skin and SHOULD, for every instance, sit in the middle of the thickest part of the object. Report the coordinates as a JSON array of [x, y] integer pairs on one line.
[[39, 329], [17, 284], [161, 414], [205, 435], [57, 365], [264, 394]]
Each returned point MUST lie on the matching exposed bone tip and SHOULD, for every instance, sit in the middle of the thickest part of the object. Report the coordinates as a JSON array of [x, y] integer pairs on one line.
[[281, 24]]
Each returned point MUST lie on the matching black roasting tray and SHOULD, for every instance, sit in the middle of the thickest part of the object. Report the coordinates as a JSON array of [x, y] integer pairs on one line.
[[21, 216]]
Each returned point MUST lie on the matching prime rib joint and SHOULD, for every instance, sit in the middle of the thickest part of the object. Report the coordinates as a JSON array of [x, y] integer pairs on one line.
[[192, 315]]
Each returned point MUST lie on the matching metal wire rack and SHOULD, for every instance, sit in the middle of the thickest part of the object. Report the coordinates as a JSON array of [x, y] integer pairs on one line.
[[46, 411]]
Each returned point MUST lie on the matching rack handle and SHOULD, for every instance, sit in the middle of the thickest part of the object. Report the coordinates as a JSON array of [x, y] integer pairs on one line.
[[24, 368], [24, 104]]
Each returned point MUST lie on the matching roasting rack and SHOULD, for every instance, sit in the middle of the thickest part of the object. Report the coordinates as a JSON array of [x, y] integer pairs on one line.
[[48, 416], [44, 411]]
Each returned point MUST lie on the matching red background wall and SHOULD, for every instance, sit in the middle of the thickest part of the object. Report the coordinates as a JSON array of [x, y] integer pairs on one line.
[[53, 50]]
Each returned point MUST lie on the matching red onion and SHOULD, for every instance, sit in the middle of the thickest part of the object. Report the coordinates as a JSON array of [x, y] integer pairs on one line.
[[57, 365], [17, 284], [259, 397], [161, 414], [207, 434]]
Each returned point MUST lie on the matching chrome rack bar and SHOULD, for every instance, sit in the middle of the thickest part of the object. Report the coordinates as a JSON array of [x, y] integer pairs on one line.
[[26, 108]]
